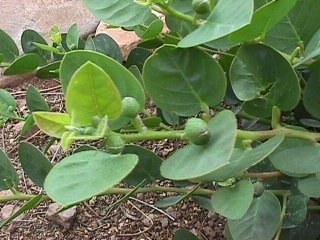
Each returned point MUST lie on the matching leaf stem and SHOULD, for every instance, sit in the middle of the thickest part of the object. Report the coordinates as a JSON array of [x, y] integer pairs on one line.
[[283, 212], [171, 11], [262, 175]]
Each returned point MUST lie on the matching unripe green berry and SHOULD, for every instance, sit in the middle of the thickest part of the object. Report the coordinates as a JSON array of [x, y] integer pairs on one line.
[[197, 131], [114, 143], [130, 107], [201, 6], [258, 188]]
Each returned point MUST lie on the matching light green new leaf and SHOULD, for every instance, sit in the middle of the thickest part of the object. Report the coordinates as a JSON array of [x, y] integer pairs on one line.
[[7, 104], [234, 201], [73, 35], [24, 64], [124, 13], [85, 174], [34, 163], [263, 20], [263, 78], [198, 162], [227, 17], [181, 84], [260, 222], [91, 92], [8, 47], [7, 171], [52, 123], [310, 186]]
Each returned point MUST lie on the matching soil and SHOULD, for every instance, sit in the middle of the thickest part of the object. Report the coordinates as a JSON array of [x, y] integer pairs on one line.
[[136, 218]]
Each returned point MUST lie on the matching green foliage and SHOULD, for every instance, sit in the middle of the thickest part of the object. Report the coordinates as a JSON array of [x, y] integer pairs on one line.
[[237, 82]]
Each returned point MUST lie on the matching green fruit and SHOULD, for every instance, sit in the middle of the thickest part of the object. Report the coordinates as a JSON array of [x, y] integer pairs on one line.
[[197, 131], [114, 143], [201, 6], [130, 107], [258, 188]]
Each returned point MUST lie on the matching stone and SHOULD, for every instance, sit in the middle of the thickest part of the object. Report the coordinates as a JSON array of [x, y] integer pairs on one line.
[[65, 218], [41, 15], [7, 211]]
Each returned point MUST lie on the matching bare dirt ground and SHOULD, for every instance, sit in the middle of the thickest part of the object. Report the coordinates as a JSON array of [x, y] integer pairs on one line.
[[137, 218]]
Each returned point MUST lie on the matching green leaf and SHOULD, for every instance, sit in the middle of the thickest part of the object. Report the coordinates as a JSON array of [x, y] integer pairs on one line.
[[204, 202], [263, 78], [227, 17], [183, 234], [138, 56], [126, 83], [27, 126], [263, 20], [153, 30], [148, 167], [178, 86], [85, 174], [169, 201], [104, 44], [260, 222], [52, 123], [7, 171], [1, 57], [48, 71], [310, 186], [28, 39], [35, 101], [34, 163], [73, 37], [242, 160], [124, 13], [91, 93], [296, 211], [197, 162], [8, 47], [311, 96], [7, 104], [298, 160], [24, 64], [32, 203], [234, 201]]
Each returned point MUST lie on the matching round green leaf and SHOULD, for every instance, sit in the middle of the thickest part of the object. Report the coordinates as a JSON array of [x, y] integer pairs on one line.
[[91, 92], [260, 222], [34, 163], [104, 44], [310, 186], [183, 234], [234, 201], [153, 30], [7, 104], [199, 161], [296, 211], [177, 83], [263, 78], [85, 174], [298, 160], [7, 171], [8, 47], [24, 64], [138, 56], [126, 83], [148, 167]]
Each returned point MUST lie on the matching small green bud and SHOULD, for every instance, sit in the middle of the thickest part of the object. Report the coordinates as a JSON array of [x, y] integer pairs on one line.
[[201, 6], [258, 188], [114, 143], [197, 131], [130, 107]]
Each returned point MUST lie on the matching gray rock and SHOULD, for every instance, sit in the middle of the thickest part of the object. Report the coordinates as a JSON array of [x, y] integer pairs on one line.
[[65, 218]]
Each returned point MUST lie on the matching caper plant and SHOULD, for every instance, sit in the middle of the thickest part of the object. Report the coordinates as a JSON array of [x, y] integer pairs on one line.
[[236, 81]]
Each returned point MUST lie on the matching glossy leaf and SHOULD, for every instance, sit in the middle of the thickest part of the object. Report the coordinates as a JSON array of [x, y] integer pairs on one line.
[[91, 93], [263, 78], [52, 123], [263, 20], [183, 85], [260, 222], [73, 35], [104, 44], [8, 47], [126, 83], [234, 201], [28, 39], [148, 167], [7, 171], [35, 101], [296, 211], [85, 174], [24, 64], [125, 13], [34, 163], [227, 17], [7, 104], [183, 234], [197, 162], [310, 186], [242, 160]]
